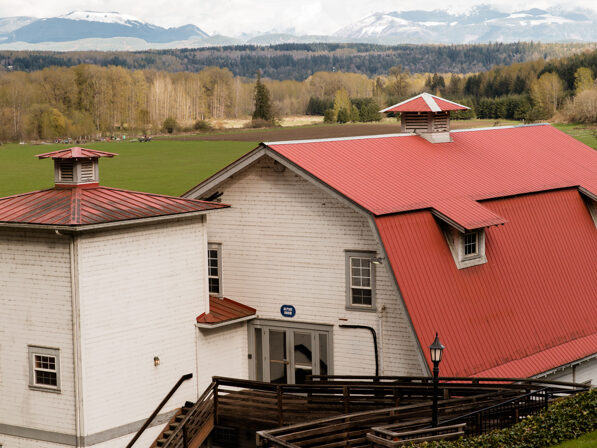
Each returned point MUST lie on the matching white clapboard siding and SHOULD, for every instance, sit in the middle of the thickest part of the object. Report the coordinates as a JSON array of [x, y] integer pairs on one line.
[[35, 304], [141, 291], [284, 242], [222, 352]]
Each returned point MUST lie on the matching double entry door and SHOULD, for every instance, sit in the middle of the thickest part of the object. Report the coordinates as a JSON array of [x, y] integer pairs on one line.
[[283, 353]]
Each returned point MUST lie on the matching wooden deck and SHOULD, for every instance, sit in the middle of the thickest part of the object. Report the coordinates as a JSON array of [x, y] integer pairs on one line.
[[340, 411]]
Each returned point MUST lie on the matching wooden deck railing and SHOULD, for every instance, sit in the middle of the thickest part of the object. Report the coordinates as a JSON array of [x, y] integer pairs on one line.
[[341, 407]]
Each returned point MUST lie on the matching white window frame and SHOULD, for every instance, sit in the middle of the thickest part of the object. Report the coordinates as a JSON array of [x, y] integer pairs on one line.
[[457, 240], [349, 287], [43, 351], [218, 248]]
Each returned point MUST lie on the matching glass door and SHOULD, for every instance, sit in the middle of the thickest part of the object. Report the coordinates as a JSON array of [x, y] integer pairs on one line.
[[302, 364], [288, 355], [278, 358]]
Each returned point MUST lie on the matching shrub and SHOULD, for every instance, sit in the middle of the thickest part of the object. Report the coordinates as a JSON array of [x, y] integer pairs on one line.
[[170, 125], [329, 116], [259, 123], [318, 106], [565, 419], [343, 115], [583, 108], [202, 126]]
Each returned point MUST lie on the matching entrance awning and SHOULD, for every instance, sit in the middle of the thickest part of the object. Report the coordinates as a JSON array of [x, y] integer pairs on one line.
[[224, 311]]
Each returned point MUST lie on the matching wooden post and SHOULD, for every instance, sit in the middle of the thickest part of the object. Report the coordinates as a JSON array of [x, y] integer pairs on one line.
[[185, 440], [215, 392], [280, 408], [346, 400]]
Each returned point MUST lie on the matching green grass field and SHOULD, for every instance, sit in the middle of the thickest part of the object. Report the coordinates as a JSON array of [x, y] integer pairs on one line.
[[587, 441], [166, 167], [580, 132]]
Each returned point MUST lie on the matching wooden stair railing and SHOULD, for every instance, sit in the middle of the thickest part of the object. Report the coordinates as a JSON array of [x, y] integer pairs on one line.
[[193, 425], [155, 413]]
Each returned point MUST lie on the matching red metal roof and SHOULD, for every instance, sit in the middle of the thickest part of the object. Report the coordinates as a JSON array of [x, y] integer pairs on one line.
[[223, 310], [389, 174], [75, 153], [530, 308], [93, 205], [425, 102]]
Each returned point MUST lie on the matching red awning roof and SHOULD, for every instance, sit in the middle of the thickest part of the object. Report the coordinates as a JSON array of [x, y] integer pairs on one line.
[[75, 153], [93, 205], [524, 307], [425, 102], [224, 310]]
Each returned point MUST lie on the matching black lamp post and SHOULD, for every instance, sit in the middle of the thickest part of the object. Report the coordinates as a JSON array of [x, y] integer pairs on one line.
[[436, 350]]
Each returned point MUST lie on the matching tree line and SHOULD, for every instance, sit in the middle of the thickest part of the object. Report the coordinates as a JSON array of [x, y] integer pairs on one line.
[[299, 61]]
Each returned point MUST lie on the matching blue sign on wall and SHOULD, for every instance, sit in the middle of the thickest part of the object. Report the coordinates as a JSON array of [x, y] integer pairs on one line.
[[287, 311]]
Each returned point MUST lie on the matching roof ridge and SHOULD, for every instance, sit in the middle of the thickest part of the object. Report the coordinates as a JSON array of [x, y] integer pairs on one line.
[[430, 101]]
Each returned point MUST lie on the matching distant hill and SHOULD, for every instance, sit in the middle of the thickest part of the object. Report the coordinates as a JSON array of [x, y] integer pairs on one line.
[[299, 61], [481, 24], [79, 25], [92, 30]]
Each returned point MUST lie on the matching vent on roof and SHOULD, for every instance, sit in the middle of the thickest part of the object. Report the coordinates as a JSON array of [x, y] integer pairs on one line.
[[87, 171], [66, 171], [75, 171]]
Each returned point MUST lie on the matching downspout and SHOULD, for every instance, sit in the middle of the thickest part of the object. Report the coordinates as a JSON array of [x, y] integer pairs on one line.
[[374, 334]]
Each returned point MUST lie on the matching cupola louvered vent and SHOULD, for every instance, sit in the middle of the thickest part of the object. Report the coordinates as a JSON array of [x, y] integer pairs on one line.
[[87, 171], [66, 171]]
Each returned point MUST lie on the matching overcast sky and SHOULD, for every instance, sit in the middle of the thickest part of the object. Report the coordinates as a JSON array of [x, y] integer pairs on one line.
[[233, 17]]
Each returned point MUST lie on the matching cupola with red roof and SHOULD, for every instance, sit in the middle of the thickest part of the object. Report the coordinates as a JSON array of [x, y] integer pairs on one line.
[[78, 200], [76, 166], [426, 115]]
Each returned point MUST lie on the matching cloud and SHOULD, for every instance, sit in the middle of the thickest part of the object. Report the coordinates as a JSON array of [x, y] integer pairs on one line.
[[235, 17]]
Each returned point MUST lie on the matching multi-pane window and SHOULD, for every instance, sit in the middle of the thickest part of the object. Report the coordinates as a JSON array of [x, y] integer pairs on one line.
[[360, 273], [471, 244], [44, 368], [214, 268]]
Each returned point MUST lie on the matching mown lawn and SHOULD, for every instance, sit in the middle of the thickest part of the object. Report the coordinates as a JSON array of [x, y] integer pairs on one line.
[[580, 132], [166, 167], [587, 441]]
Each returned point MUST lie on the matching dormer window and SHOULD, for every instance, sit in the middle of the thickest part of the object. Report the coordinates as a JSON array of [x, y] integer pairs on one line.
[[470, 240], [468, 248]]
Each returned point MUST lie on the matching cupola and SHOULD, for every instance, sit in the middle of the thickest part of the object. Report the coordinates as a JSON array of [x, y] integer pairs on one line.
[[76, 166], [426, 115]]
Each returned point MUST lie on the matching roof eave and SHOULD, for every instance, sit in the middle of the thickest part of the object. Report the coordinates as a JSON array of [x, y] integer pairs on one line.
[[225, 323], [108, 225]]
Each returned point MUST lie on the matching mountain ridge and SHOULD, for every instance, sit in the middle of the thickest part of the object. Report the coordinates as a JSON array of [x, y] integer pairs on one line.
[[95, 30]]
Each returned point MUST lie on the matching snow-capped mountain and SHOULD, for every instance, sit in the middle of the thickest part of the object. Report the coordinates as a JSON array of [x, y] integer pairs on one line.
[[481, 24], [78, 25]]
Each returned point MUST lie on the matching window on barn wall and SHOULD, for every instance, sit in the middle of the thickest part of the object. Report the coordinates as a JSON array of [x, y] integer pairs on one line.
[[214, 268], [44, 368], [360, 280]]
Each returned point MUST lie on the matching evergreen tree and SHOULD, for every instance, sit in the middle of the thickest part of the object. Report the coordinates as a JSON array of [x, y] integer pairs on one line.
[[263, 105]]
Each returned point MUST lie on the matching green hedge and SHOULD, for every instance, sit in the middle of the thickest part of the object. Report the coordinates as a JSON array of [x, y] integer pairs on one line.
[[565, 419]]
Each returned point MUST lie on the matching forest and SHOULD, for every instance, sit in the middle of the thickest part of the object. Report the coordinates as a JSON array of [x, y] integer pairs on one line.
[[299, 61], [88, 101]]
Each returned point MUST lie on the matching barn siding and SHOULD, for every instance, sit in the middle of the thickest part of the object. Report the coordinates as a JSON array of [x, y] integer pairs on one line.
[[35, 302], [284, 241], [141, 290], [222, 352]]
